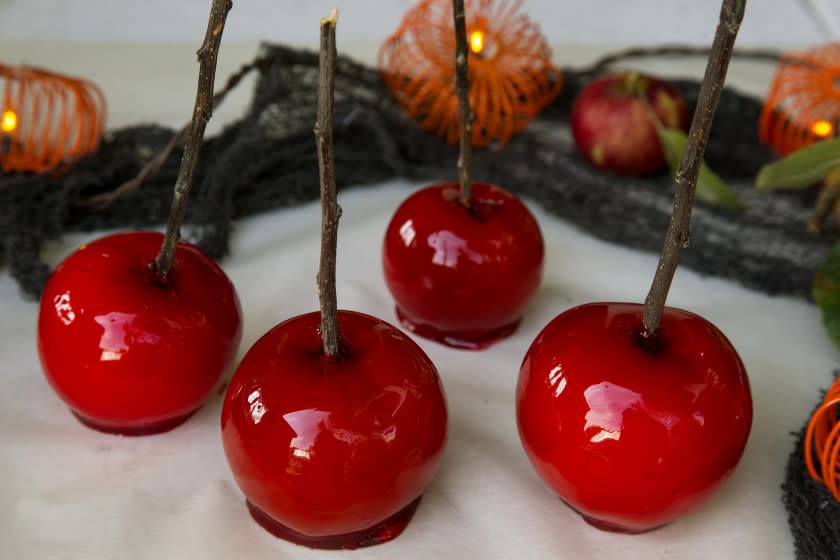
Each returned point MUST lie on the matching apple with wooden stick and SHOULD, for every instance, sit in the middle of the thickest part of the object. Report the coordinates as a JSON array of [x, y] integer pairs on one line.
[[635, 414], [462, 260], [134, 343], [335, 422]]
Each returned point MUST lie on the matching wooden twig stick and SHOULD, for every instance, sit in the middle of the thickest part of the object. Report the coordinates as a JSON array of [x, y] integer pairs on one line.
[[207, 56], [104, 200], [731, 15], [330, 210], [465, 114], [601, 64]]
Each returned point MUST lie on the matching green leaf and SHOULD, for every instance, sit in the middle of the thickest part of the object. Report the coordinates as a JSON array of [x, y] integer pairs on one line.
[[827, 293], [802, 168], [710, 187]]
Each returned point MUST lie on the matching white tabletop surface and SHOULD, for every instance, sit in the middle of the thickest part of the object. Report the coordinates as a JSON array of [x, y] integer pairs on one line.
[[70, 493]]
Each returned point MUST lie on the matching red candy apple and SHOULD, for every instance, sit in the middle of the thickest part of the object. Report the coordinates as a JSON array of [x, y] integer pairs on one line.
[[632, 433], [334, 452], [127, 353], [462, 276], [462, 260], [334, 422], [137, 329], [634, 414], [612, 126]]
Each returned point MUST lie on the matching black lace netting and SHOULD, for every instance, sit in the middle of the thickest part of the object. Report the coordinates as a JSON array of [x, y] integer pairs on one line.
[[267, 160]]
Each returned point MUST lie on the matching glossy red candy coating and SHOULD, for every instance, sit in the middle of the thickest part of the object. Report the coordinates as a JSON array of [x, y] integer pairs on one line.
[[462, 276], [127, 354], [632, 438], [329, 449]]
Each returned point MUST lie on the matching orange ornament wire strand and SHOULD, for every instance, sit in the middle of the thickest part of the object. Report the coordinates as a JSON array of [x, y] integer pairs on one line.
[[55, 118], [822, 442], [803, 103], [510, 71]]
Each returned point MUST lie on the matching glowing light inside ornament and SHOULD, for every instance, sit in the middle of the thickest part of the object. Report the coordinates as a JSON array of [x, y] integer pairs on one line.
[[477, 41], [822, 128], [8, 121]]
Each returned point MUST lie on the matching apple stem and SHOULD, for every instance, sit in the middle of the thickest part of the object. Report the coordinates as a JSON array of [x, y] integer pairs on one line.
[[207, 56], [826, 201], [677, 238], [465, 114], [330, 210]]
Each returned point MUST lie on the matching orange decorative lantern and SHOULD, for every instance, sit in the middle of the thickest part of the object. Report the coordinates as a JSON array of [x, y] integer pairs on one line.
[[822, 442], [47, 119], [510, 71], [803, 104]]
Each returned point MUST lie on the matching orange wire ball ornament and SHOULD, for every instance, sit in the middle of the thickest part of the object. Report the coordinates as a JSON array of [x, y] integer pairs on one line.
[[803, 103], [47, 119], [510, 71], [822, 442]]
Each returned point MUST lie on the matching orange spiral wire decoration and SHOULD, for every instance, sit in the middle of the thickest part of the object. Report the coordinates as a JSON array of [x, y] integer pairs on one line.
[[510, 71], [822, 442], [803, 103], [47, 119]]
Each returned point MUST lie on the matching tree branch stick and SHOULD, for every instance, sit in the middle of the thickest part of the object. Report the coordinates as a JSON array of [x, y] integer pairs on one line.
[[330, 210], [207, 56], [731, 15], [153, 166], [601, 64], [462, 86]]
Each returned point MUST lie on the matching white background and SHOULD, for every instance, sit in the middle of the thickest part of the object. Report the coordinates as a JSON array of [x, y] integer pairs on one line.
[[72, 494], [767, 22]]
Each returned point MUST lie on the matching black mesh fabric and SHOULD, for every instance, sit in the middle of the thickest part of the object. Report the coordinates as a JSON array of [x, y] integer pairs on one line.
[[267, 160]]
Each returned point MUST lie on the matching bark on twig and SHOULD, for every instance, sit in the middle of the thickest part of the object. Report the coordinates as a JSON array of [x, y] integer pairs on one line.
[[207, 56], [330, 210], [465, 114]]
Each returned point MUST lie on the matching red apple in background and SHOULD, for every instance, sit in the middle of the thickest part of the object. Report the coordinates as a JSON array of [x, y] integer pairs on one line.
[[632, 433], [462, 276], [334, 452], [612, 126], [127, 353]]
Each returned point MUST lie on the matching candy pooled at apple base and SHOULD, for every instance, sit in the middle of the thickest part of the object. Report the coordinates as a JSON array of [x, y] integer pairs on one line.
[[462, 260], [635, 414], [335, 422]]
